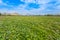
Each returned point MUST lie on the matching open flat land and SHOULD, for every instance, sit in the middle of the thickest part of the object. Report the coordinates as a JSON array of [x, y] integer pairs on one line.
[[29, 28]]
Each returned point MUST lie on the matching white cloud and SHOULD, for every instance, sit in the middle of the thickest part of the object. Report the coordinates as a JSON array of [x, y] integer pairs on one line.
[[37, 1], [43, 1], [2, 3], [29, 1]]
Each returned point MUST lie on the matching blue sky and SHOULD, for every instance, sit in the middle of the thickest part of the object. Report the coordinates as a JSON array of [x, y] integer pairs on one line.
[[30, 7]]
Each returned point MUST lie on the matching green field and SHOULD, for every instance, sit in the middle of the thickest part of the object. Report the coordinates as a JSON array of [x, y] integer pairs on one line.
[[29, 28]]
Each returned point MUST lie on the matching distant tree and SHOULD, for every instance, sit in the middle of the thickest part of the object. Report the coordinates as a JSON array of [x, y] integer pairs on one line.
[[0, 14], [49, 15]]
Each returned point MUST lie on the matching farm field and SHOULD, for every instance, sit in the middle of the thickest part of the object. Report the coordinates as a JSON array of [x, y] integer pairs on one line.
[[29, 28]]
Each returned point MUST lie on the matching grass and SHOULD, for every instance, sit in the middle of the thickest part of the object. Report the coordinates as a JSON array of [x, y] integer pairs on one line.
[[29, 28]]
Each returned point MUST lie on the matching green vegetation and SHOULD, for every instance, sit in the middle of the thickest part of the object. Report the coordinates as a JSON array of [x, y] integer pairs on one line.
[[0, 14], [29, 28]]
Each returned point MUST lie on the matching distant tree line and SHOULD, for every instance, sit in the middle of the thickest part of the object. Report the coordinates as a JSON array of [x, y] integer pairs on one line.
[[4, 14], [51, 15], [8, 14]]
